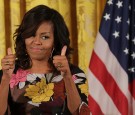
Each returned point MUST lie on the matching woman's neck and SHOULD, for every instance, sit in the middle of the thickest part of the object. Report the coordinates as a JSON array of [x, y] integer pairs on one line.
[[40, 67]]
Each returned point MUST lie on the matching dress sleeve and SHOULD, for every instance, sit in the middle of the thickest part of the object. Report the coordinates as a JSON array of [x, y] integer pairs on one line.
[[84, 109], [80, 80]]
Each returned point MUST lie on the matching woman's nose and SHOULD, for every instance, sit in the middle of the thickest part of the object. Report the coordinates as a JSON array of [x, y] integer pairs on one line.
[[37, 40]]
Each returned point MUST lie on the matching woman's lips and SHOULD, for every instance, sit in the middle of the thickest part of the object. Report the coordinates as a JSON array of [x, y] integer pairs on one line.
[[36, 49]]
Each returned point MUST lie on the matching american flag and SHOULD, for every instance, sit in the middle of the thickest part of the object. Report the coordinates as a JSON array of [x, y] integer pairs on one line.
[[111, 73]]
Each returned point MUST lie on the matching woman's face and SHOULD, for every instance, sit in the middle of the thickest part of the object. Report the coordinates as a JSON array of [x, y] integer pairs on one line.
[[39, 46]]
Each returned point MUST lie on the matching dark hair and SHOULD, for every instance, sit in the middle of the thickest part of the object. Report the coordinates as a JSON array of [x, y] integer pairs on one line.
[[29, 25]]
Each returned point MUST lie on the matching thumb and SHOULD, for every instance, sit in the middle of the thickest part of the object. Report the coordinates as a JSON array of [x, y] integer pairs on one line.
[[63, 51], [9, 51]]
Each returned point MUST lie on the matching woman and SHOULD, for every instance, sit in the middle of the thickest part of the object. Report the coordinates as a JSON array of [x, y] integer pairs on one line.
[[41, 79]]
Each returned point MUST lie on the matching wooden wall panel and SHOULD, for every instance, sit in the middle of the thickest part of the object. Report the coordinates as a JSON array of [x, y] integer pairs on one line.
[[22, 8], [7, 23]]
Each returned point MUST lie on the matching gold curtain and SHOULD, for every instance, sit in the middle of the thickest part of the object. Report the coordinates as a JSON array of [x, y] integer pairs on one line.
[[89, 13], [2, 30], [81, 16], [15, 18]]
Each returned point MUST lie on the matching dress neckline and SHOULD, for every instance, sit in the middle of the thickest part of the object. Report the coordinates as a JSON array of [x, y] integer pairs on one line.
[[49, 72]]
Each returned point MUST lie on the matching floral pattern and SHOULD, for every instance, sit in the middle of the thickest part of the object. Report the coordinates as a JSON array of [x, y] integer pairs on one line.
[[20, 76], [40, 91], [45, 91], [84, 88]]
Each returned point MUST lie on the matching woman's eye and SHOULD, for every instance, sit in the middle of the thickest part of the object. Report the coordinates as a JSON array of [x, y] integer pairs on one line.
[[45, 37]]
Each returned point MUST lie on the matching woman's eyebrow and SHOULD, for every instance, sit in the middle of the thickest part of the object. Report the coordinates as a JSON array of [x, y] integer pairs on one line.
[[45, 33]]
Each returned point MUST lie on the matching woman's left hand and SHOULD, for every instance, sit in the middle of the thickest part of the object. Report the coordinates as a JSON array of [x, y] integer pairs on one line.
[[61, 63]]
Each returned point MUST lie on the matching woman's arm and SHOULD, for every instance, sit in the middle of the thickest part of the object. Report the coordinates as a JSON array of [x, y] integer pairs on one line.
[[81, 87], [7, 64], [73, 97], [4, 89]]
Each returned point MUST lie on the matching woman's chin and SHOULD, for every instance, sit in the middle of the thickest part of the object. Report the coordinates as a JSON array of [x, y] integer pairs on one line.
[[39, 57]]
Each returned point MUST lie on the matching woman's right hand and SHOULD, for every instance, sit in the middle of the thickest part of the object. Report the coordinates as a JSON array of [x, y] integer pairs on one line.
[[8, 63]]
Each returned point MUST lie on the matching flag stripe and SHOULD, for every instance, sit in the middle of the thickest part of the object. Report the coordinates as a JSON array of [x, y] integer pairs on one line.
[[112, 62], [109, 84], [100, 96], [132, 88], [94, 106], [114, 68], [133, 105]]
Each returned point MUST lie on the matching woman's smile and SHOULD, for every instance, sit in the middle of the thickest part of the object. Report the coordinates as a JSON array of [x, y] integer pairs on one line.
[[36, 49]]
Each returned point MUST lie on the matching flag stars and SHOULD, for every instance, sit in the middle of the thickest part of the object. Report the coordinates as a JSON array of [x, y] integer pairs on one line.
[[129, 7], [110, 2], [119, 4], [133, 55], [116, 34], [107, 16], [132, 69], [118, 19], [126, 51], [133, 41], [128, 21], [127, 36]]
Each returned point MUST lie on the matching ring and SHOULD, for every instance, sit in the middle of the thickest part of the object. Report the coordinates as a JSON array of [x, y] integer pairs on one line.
[[7, 63], [59, 65]]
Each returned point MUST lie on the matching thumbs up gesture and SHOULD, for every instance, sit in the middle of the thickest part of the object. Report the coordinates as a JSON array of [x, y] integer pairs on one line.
[[8, 63], [61, 63]]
